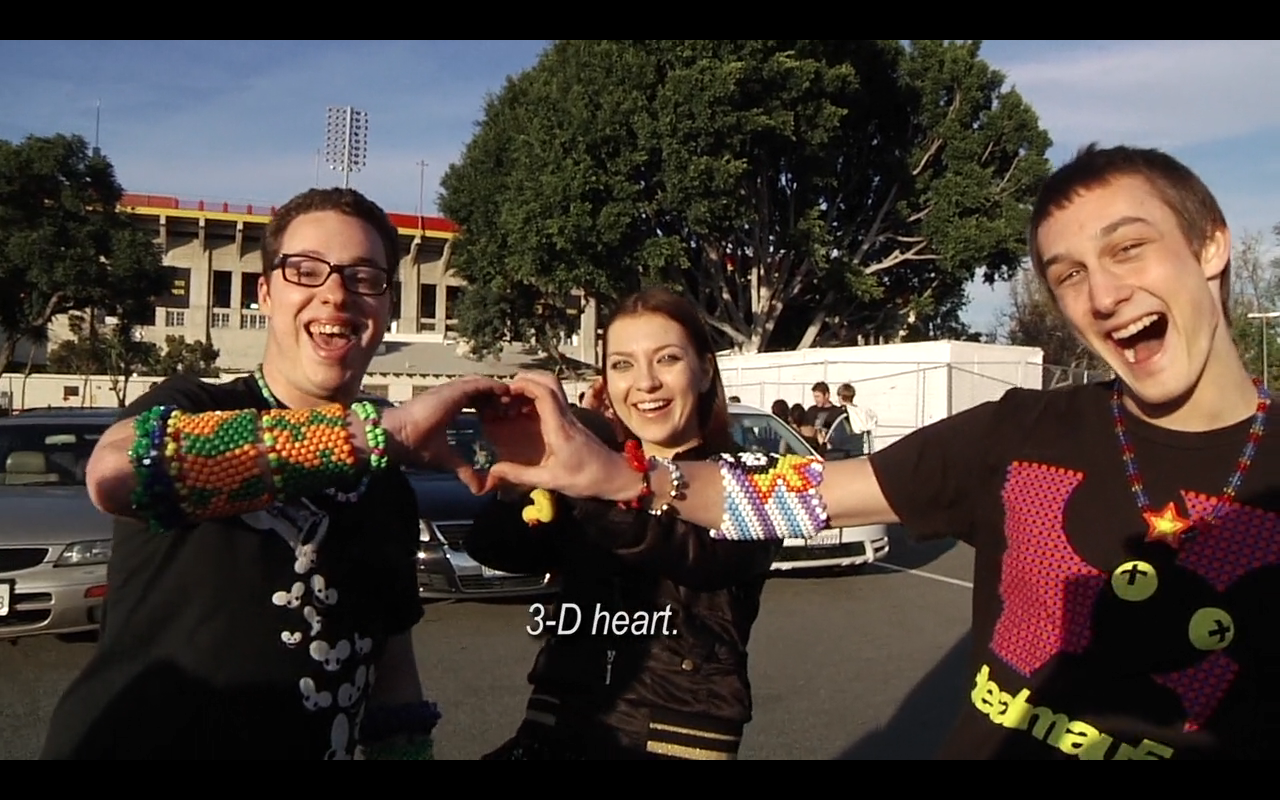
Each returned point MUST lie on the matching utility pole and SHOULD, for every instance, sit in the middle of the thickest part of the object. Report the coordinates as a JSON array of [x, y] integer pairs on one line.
[[1264, 316], [422, 178], [97, 129]]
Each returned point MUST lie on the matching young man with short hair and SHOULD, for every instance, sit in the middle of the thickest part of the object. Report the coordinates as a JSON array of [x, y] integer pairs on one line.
[[1126, 534], [271, 602], [853, 431], [823, 412]]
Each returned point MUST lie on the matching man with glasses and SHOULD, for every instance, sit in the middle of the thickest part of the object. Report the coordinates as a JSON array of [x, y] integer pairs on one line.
[[260, 635]]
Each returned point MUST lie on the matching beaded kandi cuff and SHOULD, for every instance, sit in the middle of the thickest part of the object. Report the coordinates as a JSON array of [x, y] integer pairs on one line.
[[767, 496], [216, 463], [402, 748], [385, 723], [374, 434], [309, 449], [155, 496]]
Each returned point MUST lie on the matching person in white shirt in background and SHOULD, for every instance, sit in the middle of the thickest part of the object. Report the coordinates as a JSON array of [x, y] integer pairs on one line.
[[853, 431]]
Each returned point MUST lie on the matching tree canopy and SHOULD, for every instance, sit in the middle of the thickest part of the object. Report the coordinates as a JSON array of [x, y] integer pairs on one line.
[[63, 245], [802, 191]]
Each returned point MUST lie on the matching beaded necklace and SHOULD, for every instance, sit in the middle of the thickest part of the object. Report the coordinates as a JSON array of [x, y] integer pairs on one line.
[[270, 397], [1167, 525]]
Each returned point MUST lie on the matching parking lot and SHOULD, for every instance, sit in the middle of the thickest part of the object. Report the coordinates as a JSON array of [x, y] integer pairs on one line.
[[862, 666]]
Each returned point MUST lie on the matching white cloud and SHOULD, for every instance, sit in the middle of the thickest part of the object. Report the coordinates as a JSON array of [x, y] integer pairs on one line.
[[1166, 94]]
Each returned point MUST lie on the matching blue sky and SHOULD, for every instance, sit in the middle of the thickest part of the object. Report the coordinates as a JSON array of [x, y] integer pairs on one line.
[[241, 121]]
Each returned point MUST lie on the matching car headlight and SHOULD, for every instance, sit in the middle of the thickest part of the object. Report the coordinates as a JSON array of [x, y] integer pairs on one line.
[[85, 554]]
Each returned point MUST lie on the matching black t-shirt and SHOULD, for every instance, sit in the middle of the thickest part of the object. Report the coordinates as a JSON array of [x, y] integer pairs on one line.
[[253, 637], [1091, 642], [822, 416]]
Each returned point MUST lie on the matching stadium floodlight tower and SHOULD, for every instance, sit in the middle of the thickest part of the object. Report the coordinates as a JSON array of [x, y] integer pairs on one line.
[[346, 141]]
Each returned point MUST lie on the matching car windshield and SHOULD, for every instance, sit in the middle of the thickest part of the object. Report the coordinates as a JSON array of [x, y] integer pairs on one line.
[[765, 433], [465, 437], [47, 453]]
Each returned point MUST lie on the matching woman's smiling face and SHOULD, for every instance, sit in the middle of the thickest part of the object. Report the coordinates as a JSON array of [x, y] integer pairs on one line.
[[654, 376]]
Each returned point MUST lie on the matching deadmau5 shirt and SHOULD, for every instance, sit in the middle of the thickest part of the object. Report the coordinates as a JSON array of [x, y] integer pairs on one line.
[[255, 637], [1101, 633]]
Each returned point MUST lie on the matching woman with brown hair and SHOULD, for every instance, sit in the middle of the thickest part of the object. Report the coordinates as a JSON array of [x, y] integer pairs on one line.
[[656, 667]]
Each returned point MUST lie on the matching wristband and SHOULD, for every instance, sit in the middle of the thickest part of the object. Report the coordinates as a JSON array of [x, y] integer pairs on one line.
[[767, 496], [374, 434], [678, 485], [402, 748], [634, 452], [154, 496], [309, 449], [384, 723], [215, 461]]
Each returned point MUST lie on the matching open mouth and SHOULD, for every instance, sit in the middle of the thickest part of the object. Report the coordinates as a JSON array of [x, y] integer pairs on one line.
[[1143, 339], [333, 337], [652, 406]]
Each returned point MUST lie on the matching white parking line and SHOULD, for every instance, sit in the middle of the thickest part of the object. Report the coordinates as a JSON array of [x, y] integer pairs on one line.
[[923, 574]]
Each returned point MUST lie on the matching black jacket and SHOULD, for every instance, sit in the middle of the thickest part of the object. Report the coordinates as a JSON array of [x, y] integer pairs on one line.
[[683, 693]]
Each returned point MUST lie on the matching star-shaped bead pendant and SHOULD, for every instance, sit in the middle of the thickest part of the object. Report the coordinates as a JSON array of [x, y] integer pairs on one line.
[[1166, 525]]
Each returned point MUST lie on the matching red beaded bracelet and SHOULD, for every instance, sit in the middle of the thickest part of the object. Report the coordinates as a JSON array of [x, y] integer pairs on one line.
[[637, 461]]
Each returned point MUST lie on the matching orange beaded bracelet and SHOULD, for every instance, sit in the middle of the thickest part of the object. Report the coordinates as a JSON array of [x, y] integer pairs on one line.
[[309, 449], [215, 462]]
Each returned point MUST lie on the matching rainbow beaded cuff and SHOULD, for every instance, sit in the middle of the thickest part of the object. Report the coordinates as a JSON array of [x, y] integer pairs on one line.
[[768, 496]]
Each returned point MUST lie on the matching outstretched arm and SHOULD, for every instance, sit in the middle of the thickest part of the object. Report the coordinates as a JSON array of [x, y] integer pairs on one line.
[[233, 462], [925, 481], [111, 476], [849, 489]]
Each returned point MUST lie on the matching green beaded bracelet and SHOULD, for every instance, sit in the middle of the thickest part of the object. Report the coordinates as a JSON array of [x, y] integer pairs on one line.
[[402, 748], [375, 434]]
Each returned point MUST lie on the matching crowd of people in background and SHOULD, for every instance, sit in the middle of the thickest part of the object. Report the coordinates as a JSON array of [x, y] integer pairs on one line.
[[841, 429]]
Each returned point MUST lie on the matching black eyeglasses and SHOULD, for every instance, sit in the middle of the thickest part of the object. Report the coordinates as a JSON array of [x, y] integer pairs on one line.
[[312, 271]]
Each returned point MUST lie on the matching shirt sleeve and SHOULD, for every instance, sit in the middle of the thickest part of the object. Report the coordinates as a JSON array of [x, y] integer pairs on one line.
[[932, 476], [181, 391]]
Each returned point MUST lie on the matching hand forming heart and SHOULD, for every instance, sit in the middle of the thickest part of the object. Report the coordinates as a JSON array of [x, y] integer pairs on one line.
[[418, 430], [541, 443]]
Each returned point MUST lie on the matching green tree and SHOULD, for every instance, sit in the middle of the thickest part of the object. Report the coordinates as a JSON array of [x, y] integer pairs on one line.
[[64, 246], [1255, 288], [113, 349], [198, 359], [803, 191]]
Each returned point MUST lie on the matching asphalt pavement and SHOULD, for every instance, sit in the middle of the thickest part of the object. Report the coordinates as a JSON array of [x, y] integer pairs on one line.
[[861, 666]]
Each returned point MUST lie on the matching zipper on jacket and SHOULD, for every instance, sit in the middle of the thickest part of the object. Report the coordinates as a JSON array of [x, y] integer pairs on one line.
[[608, 667]]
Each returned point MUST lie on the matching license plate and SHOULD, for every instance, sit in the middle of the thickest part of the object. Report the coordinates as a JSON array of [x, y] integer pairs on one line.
[[825, 539], [488, 572], [6, 595]]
